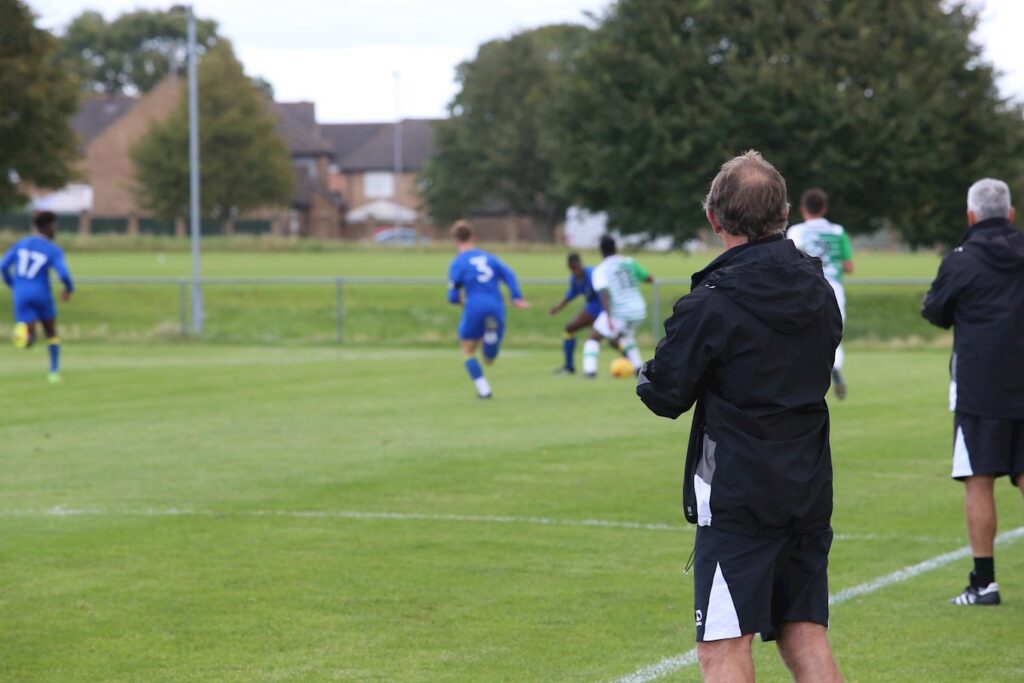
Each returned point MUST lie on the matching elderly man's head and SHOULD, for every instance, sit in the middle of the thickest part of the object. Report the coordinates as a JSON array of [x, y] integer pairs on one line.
[[747, 198], [988, 198]]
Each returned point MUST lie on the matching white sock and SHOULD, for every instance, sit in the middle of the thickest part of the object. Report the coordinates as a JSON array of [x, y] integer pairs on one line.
[[591, 347], [633, 354], [482, 386], [840, 357]]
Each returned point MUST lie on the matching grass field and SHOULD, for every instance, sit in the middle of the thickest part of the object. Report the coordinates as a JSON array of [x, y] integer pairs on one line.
[[231, 513], [400, 315]]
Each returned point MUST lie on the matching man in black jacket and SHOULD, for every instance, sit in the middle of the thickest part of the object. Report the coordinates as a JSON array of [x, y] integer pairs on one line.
[[980, 292], [753, 345]]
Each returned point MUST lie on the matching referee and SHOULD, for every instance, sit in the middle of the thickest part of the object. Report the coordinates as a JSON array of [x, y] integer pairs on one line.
[[752, 345]]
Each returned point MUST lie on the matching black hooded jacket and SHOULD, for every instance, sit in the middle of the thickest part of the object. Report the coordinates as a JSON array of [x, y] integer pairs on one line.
[[980, 292], [753, 345]]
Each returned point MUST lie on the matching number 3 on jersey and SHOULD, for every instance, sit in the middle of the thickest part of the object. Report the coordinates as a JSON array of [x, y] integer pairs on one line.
[[30, 263], [485, 272]]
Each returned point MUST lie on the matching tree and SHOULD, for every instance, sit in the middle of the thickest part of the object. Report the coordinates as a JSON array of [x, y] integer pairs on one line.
[[496, 146], [245, 164], [888, 106], [37, 97], [134, 52]]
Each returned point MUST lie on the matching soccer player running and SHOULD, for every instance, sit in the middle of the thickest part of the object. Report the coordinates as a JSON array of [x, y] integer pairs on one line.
[[617, 281], [979, 291], [816, 236], [26, 270], [752, 345], [580, 284], [473, 283]]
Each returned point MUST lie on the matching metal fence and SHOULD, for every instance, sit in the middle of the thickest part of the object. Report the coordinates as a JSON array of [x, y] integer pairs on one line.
[[339, 284]]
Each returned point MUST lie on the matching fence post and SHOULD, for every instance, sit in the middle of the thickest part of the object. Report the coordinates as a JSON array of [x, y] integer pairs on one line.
[[183, 306], [339, 310], [656, 311]]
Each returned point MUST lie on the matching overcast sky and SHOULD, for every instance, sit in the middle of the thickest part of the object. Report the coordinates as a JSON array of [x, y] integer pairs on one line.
[[343, 55]]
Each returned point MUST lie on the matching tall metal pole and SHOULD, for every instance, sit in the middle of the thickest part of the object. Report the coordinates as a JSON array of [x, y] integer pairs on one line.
[[398, 140], [193, 159]]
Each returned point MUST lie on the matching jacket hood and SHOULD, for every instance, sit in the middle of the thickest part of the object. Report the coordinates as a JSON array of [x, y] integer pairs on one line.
[[996, 242], [773, 281]]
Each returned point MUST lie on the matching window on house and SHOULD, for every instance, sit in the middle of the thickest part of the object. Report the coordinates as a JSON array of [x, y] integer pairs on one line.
[[379, 184]]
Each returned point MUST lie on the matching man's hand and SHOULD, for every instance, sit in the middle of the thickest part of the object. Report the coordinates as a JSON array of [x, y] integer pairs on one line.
[[611, 325], [65, 295], [554, 310], [520, 303]]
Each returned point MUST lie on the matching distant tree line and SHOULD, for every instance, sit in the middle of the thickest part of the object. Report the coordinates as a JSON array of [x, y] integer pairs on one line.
[[889, 106]]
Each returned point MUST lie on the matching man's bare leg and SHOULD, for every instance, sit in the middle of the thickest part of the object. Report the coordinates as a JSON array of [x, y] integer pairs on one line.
[[727, 661], [805, 650], [980, 506]]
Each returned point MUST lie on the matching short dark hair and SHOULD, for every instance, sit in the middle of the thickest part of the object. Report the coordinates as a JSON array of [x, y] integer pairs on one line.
[[748, 197], [607, 245], [45, 220], [461, 231], [814, 201], [573, 258]]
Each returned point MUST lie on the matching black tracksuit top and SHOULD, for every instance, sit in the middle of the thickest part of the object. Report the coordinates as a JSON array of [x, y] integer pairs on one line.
[[753, 345], [979, 291]]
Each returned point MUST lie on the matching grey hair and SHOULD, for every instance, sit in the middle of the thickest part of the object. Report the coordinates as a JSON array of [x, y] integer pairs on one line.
[[989, 198]]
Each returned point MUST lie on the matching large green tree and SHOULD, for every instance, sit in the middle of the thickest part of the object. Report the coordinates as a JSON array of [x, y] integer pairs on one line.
[[133, 52], [37, 97], [497, 145], [245, 164], [887, 105]]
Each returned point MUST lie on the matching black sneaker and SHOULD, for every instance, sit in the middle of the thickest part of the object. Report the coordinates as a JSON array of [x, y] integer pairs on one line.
[[565, 371], [838, 384], [989, 595]]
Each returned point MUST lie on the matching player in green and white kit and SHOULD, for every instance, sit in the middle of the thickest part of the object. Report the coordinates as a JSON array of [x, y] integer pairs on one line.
[[617, 281], [816, 236]]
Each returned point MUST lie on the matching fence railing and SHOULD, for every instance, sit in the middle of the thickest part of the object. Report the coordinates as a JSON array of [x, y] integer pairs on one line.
[[339, 284]]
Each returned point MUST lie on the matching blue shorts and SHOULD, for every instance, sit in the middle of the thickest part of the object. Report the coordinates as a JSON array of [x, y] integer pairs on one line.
[[593, 309], [33, 309], [475, 323]]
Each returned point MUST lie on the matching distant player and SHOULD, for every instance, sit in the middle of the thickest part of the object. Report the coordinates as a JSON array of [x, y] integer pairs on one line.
[[580, 284], [816, 236], [26, 270], [473, 283], [617, 281]]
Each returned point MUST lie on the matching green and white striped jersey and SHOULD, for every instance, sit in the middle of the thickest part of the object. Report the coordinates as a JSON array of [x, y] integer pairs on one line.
[[828, 241], [621, 276]]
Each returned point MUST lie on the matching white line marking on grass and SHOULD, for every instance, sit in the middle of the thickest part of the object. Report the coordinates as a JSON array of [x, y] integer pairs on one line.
[[61, 511], [672, 664]]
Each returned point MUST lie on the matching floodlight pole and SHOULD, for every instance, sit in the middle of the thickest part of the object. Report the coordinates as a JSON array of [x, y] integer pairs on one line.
[[193, 164]]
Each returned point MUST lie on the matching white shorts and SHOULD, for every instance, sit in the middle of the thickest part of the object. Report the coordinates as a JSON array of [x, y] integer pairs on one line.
[[602, 327]]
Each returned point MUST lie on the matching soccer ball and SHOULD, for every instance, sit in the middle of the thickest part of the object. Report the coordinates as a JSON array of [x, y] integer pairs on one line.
[[621, 368]]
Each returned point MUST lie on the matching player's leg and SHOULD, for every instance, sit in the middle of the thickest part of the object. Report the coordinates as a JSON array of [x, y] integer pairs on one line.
[[24, 332], [582, 321], [592, 347], [494, 331], [471, 331], [53, 346], [838, 383], [627, 342], [806, 651], [727, 661]]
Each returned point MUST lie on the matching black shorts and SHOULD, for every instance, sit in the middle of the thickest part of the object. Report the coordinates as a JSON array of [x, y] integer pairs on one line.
[[987, 445], [745, 585]]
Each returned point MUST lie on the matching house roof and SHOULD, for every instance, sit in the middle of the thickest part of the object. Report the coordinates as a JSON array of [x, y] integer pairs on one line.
[[371, 146], [296, 124], [96, 114]]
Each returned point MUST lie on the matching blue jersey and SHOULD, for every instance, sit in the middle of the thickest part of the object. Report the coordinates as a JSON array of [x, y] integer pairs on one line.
[[26, 268], [479, 275], [585, 288]]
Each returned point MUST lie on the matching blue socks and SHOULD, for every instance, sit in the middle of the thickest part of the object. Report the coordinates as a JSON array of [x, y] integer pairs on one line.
[[53, 346], [474, 369], [569, 348]]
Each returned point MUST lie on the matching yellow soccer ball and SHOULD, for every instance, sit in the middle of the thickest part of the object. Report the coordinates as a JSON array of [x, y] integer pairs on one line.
[[621, 368]]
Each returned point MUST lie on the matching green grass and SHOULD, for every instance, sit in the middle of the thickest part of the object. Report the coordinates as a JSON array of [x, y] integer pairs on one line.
[[401, 314], [182, 565]]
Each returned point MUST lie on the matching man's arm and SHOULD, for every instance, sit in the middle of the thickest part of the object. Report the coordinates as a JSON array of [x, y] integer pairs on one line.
[[454, 285], [5, 267], [61, 266], [570, 294], [671, 382], [509, 278], [846, 254], [939, 304]]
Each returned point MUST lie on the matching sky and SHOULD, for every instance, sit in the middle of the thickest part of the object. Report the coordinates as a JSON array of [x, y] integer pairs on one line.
[[345, 55]]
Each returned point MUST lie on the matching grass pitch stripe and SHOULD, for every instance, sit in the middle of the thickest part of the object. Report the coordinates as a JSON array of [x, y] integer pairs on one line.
[[672, 664], [61, 511]]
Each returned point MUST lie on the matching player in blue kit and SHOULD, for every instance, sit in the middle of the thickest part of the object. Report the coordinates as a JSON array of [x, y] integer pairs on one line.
[[26, 270], [473, 283], [579, 285]]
